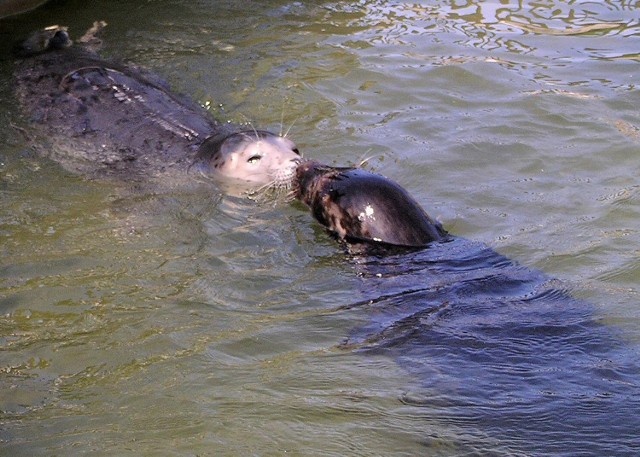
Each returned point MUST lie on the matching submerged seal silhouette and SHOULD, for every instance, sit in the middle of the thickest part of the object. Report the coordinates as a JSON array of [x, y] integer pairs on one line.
[[103, 118]]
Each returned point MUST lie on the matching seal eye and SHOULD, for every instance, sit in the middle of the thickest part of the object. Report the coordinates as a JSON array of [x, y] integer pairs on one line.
[[296, 151], [254, 159]]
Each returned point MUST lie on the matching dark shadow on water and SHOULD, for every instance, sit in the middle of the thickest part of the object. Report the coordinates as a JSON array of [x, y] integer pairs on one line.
[[504, 357]]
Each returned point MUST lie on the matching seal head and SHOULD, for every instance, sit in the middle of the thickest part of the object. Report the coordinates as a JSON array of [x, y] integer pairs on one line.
[[50, 38], [358, 205], [256, 157]]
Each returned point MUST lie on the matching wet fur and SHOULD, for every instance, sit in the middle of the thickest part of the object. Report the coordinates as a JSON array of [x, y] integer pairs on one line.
[[358, 205]]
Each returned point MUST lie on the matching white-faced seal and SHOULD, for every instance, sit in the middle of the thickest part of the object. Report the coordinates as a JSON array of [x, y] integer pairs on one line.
[[358, 205], [252, 156], [103, 118]]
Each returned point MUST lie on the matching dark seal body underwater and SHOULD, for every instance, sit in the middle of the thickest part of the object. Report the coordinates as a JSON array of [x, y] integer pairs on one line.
[[105, 119], [485, 342]]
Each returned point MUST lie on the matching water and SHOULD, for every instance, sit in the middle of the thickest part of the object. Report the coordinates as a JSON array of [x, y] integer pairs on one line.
[[190, 323]]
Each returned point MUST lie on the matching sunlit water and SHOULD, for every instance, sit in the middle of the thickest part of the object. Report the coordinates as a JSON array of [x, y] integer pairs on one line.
[[181, 321]]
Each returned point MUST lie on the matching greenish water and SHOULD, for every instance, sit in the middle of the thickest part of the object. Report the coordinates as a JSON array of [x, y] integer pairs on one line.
[[186, 322]]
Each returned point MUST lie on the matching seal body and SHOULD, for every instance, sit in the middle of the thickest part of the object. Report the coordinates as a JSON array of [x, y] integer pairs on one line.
[[358, 205], [103, 118]]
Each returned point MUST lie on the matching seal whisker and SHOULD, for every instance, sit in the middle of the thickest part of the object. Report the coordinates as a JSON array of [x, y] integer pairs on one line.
[[282, 117], [366, 159], [249, 122], [274, 191], [290, 127]]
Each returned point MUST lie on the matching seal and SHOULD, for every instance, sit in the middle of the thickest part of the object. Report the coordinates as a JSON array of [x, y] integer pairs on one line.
[[360, 206], [106, 119]]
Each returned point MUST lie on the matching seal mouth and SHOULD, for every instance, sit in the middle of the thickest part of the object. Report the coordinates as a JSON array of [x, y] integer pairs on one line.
[[284, 182], [285, 177]]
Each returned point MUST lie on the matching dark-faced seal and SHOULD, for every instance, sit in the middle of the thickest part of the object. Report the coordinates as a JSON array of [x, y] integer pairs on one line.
[[103, 118], [358, 205], [484, 340]]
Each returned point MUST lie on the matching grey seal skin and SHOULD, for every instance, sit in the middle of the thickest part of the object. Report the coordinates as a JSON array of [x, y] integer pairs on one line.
[[358, 205], [103, 119]]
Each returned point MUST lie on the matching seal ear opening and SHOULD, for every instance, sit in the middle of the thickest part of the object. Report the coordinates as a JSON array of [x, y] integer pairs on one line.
[[213, 149], [210, 148]]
